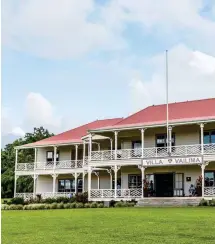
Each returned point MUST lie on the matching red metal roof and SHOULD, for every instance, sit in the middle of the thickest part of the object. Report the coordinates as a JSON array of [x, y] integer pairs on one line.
[[178, 112], [74, 135]]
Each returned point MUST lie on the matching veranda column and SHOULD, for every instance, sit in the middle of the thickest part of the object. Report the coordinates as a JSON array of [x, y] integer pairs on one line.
[[89, 181], [142, 168], [203, 179], [111, 147], [35, 157], [98, 180], [90, 146], [76, 180], [142, 141], [55, 156], [110, 173], [54, 183], [115, 134], [35, 181], [115, 168], [83, 180], [15, 178], [76, 155], [202, 137], [170, 139], [84, 152]]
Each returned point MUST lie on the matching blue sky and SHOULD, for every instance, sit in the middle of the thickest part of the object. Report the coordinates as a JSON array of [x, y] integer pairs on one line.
[[68, 62]]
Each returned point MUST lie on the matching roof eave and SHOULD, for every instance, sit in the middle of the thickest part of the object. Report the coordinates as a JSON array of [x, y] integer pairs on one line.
[[140, 126]]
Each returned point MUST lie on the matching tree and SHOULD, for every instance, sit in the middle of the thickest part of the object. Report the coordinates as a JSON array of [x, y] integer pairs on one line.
[[24, 184]]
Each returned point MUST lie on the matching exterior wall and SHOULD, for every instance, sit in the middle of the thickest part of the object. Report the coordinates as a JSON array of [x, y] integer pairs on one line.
[[44, 184]]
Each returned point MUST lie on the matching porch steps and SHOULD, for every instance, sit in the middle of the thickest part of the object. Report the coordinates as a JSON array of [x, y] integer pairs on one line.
[[168, 202]]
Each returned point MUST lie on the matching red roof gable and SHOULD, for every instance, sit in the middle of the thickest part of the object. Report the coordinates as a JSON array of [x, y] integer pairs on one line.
[[75, 135], [178, 112]]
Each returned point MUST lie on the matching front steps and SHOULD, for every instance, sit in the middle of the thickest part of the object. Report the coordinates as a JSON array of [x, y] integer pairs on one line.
[[168, 202]]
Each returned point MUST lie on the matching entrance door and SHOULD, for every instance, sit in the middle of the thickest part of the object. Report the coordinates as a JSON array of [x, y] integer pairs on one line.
[[164, 185]]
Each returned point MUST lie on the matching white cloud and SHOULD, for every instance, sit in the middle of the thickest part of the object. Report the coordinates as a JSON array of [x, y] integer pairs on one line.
[[17, 131], [53, 28], [191, 76], [40, 112]]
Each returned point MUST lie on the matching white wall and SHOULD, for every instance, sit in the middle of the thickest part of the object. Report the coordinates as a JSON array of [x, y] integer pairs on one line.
[[44, 183]]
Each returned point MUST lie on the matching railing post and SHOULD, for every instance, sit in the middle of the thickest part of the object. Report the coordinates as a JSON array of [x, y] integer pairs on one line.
[[102, 155], [156, 152], [89, 181]]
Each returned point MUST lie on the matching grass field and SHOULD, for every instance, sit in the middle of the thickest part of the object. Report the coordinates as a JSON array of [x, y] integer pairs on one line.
[[108, 226]]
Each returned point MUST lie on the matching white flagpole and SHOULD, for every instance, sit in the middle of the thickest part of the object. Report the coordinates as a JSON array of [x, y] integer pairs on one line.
[[167, 102]]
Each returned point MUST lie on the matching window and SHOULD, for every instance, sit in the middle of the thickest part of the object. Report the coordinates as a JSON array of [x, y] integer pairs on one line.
[[179, 180], [137, 145], [209, 178], [50, 156], [68, 185], [161, 140], [134, 181], [209, 137]]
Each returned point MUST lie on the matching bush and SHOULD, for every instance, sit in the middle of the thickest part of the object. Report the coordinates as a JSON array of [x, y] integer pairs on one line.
[[112, 203], [67, 205], [49, 200], [87, 205], [5, 207], [203, 203], [94, 205], [16, 207], [81, 197], [212, 203], [73, 205], [27, 207], [79, 205], [60, 205], [119, 204], [62, 199], [17, 200], [100, 205], [53, 206]]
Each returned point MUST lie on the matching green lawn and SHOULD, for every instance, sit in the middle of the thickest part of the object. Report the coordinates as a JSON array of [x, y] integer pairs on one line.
[[110, 226]]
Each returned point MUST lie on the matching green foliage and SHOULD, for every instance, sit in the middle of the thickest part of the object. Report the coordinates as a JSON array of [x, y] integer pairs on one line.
[[24, 184], [100, 205], [60, 205], [62, 199], [81, 197], [87, 205], [17, 200], [94, 205], [203, 203], [15, 207], [79, 205]]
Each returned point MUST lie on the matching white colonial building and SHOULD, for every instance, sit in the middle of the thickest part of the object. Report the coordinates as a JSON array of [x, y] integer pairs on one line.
[[124, 159]]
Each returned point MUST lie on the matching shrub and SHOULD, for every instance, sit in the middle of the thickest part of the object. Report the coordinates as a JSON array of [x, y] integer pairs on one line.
[[94, 205], [87, 205], [112, 203], [53, 206], [47, 206], [212, 203], [5, 207], [119, 204], [100, 205], [79, 205], [17, 200], [16, 207], [67, 205], [49, 200], [27, 207], [62, 199], [203, 203], [73, 205], [81, 197], [60, 205], [131, 204]]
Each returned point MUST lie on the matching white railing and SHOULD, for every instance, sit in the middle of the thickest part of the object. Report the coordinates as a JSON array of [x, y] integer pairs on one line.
[[66, 164], [25, 167], [120, 193], [209, 191], [44, 195], [153, 152]]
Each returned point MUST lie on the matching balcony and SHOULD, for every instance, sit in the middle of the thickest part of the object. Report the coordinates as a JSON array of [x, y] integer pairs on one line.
[[153, 152], [66, 164]]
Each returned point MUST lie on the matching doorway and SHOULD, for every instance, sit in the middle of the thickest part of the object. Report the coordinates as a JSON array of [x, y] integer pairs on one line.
[[164, 185]]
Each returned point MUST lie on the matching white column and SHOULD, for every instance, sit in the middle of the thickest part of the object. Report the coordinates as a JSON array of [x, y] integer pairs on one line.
[[115, 134], [76, 155], [142, 168], [115, 168], [89, 181], [97, 174], [110, 173], [54, 183], [75, 175], [84, 152], [99, 148], [16, 177], [202, 137], [35, 157], [83, 181], [55, 156], [35, 181], [90, 146], [142, 141], [170, 139], [203, 178]]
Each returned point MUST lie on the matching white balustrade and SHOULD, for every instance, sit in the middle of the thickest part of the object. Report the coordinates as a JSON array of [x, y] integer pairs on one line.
[[25, 167], [26, 196], [120, 193], [209, 191], [153, 152]]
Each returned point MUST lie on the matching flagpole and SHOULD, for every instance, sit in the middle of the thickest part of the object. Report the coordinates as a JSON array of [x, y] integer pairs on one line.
[[167, 102]]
